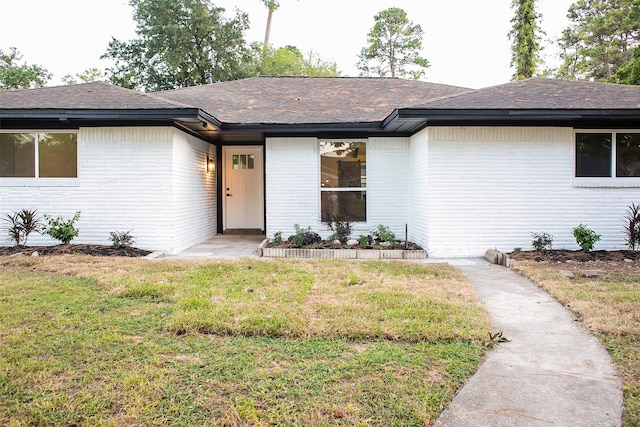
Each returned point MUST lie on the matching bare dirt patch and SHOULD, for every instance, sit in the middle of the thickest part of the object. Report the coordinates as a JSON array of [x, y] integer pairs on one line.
[[94, 250], [581, 260]]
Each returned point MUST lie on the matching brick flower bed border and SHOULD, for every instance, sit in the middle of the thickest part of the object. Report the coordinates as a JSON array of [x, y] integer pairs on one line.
[[340, 253]]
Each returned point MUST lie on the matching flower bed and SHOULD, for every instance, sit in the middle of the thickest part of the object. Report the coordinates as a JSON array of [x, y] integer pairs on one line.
[[334, 250]]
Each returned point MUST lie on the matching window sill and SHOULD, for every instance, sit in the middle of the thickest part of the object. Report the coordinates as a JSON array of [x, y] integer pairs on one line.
[[606, 182], [39, 182]]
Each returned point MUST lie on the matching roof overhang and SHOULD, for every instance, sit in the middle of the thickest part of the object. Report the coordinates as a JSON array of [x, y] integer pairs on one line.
[[411, 120], [235, 131], [401, 122], [192, 120]]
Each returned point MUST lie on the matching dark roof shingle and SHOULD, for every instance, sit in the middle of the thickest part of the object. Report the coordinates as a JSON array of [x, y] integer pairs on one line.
[[544, 94], [87, 96], [308, 99]]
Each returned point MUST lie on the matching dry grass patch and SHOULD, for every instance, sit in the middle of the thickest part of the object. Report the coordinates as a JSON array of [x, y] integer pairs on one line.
[[93, 341], [292, 298], [610, 307]]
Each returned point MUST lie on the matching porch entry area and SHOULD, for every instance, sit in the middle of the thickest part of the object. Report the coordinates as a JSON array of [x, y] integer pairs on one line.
[[243, 189]]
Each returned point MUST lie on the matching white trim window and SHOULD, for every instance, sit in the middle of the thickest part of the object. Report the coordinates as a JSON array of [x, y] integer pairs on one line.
[[39, 154], [343, 179], [607, 154]]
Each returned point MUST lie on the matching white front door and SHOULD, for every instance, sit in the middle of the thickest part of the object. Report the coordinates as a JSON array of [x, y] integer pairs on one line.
[[243, 190]]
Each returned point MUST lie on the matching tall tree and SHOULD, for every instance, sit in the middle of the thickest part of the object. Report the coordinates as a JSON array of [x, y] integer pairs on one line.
[[394, 46], [600, 39], [87, 76], [525, 39], [178, 42], [14, 75], [629, 73], [289, 61], [272, 5]]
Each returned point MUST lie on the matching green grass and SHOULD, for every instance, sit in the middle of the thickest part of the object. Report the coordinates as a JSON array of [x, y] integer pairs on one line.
[[110, 342], [610, 307]]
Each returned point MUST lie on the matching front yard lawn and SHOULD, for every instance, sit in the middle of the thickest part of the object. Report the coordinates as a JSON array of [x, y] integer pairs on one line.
[[609, 305], [113, 341]]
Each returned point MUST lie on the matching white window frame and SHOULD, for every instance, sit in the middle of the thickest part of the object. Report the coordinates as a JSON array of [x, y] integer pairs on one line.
[[340, 189], [612, 181], [37, 181]]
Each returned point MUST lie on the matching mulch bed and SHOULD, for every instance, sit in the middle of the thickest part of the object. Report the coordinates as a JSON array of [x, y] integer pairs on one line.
[[562, 255], [95, 250]]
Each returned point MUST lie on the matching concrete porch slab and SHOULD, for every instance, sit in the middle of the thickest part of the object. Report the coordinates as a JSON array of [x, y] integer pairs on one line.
[[224, 246]]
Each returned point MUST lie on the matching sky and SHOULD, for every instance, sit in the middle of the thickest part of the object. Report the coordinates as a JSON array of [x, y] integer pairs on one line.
[[465, 40]]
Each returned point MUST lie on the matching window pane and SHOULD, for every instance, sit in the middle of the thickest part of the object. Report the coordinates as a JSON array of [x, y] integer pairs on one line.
[[345, 204], [235, 161], [58, 154], [250, 161], [17, 155], [343, 164], [593, 154], [628, 154]]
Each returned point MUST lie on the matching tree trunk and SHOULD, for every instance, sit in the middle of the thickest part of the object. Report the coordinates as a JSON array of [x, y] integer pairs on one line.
[[267, 32]]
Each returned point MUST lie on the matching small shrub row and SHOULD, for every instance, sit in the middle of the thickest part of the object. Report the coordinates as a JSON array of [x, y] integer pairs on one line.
[[20, 224], [587, 238], [341, 234]]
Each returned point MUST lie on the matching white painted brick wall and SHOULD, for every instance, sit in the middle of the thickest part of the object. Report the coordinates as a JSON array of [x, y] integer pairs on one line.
[[193, 192], [388, 184], [491, 187], [292, 189], [125, 182], [419, 168]]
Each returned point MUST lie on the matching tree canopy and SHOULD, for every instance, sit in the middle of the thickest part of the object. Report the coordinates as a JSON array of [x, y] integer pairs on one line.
[[178, 42], [289, 61], [525, 39], [87, 76], [394, 47], [14, 75], [600, 40], [629, 73]]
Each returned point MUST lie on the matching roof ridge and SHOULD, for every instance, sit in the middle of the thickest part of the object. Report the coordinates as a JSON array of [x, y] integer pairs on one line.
[[144, 94], [156, 95], [440, 98], [512, 82], [61, 86]]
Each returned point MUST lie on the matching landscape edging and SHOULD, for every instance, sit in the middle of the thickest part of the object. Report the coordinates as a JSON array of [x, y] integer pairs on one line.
[[342, 253]]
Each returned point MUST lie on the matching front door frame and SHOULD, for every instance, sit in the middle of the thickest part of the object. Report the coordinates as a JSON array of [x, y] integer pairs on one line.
[[221, 151]]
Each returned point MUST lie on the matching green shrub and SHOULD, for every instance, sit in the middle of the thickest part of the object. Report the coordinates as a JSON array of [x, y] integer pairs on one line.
[[60, 229], [364, 240], [585, 237], [633, 227], [383, 234], [121, 239], [542, 241], [21, 224], [277, 238], [304, 236], [340, 225]]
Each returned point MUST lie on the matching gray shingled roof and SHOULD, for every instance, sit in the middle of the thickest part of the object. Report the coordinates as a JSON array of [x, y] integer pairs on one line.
[[87, 96], [322, 102], [544, 94], [308, 99]]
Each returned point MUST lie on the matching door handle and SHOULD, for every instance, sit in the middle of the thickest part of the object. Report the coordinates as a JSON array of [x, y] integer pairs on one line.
[[229, 195]]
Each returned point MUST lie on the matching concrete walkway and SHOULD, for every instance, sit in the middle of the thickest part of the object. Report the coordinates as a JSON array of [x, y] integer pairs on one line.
[[224, 246], [552, 373]]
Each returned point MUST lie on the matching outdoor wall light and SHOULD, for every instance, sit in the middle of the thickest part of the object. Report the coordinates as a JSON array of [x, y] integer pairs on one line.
[[211, 165]]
